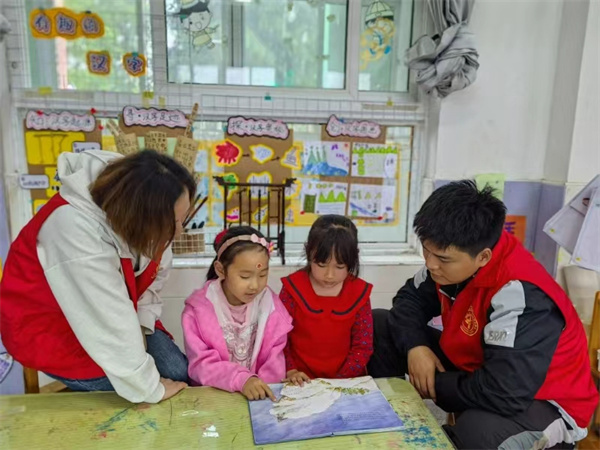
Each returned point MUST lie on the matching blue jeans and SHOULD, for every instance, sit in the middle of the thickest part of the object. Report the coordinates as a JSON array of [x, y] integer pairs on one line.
[[170, 362]]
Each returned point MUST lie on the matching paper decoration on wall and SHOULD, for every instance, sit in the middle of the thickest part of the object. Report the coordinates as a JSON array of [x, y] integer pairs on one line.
[[377, 38], [516, 225], [66, 23], [79, 147], [45, 141], [186, 148], [40, 24], [375, 160], [356, 129], [142, 121], [43, 147], [294, 190], [156, 140], [92, 25], [134, 64], [289, 215], [152, 117], [243, 143], [195, 18], [242, 126], [326, 158], [34, 182], [494, 180], [126, 143], [233, 215], [201, 165], [63, 121], [227, 154], [98, 63], [320, 197], [372, 201], [259, 178], [260, 215], [63, 22], [261, 153], [230, 178], [292, 158]]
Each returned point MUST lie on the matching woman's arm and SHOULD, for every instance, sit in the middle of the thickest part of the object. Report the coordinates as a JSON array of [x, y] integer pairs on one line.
[[83, 271]]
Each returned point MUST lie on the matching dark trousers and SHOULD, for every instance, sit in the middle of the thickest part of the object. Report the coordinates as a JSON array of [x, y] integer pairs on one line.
[[474, 428]]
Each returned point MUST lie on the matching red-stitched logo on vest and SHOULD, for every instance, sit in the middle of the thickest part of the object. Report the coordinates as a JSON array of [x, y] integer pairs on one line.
[[469, 325]]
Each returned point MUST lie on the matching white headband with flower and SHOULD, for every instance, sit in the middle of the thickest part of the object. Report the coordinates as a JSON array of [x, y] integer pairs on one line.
[[246, 237]]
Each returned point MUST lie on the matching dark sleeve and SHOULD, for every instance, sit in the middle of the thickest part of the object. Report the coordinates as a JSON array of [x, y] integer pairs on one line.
[[361, 347], [290, 306], [519, 341], [414, 306]]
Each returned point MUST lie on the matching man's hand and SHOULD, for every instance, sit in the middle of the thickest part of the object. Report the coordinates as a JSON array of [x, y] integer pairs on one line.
[[296, 377], [257, 389], [422, 364]]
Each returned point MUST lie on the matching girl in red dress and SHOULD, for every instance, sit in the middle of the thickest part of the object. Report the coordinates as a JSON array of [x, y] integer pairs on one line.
[[330, 306]]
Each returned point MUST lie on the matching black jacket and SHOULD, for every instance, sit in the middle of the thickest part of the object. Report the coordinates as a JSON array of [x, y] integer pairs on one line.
[[513, 371]]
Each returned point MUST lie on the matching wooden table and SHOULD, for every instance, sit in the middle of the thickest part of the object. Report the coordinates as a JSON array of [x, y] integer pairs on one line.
[[202, 417]]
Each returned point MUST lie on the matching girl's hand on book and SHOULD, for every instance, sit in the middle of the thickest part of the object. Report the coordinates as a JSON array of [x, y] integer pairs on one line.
[[296, 377], [257, 389]]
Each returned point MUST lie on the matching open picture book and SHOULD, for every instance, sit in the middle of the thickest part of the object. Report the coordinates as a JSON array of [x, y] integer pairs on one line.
[[323, 407]]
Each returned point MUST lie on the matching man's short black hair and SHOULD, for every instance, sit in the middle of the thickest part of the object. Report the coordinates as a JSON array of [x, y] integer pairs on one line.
[[459, 215]]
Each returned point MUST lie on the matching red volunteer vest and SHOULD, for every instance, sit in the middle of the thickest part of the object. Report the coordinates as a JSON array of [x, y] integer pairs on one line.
[[568, 381], [34, 329], [322, 333]]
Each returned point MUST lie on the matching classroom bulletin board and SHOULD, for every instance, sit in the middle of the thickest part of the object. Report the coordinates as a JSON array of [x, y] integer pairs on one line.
[[350, 171], [47, 135]]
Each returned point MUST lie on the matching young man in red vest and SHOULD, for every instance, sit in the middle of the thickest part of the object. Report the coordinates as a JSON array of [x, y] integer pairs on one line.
[[512, 358]]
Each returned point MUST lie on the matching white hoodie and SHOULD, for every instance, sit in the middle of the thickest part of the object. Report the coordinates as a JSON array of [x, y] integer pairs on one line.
[[80, 255]]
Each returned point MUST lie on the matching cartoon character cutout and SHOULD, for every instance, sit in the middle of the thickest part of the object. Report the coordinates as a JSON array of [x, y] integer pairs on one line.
[[377, 38], [195, 17]]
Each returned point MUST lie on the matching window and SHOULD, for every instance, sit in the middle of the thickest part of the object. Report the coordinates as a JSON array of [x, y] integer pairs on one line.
[[317, 57], [61, 64], [275, 43], [383, 40]]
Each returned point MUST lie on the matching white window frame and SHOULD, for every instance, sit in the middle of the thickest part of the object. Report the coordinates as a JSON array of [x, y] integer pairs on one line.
[[219, 102]]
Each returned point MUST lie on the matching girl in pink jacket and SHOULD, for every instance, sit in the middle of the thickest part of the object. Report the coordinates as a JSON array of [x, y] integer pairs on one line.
[[235, 327]]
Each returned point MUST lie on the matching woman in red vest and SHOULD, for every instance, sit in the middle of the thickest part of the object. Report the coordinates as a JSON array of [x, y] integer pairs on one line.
[[330, 306], [512, 358], [83, 276]]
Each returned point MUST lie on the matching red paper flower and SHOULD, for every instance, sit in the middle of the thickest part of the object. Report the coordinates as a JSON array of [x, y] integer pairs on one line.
[[93, 111], [228, 153]]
